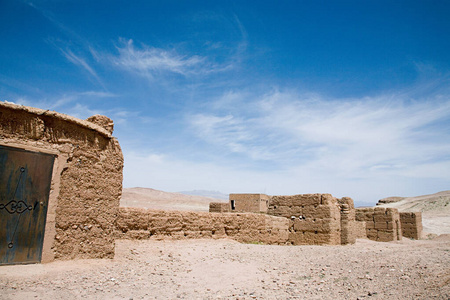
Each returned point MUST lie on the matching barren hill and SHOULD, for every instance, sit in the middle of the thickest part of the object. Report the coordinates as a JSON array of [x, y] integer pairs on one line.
[[435, 209], [155, 199]]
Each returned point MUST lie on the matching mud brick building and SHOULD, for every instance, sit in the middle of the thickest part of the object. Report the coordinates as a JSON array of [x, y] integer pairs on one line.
[[60, 185], [249, 203]]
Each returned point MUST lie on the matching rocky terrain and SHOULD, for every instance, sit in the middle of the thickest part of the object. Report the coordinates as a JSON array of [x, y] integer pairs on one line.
[[224, 269]]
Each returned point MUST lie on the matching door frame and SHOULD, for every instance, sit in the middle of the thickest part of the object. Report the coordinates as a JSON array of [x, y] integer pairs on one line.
[[59, 163]]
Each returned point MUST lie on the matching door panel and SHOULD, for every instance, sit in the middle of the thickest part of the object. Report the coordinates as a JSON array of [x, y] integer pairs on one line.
[[25, 179]]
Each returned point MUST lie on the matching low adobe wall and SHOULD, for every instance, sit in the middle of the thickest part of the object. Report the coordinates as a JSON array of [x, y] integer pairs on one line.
[[87, 177], [411, 224], [141, 223], [382, 224], [315, 219]]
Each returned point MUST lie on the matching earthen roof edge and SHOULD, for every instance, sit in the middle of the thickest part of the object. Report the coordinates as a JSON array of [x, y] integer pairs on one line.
[[57, 115]]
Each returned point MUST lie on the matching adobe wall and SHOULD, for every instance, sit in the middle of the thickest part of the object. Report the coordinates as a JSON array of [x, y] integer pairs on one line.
[[219, 207], [411, 224], [87, 177], [382, 224], [359, 229], [141, 223], [315, 219], [249, 202]]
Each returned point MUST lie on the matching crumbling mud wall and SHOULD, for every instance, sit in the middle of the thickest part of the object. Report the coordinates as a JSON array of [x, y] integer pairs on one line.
[[140, 223], [382, 224], [315, 219], [249, 202], [411, 224], [87, 177]]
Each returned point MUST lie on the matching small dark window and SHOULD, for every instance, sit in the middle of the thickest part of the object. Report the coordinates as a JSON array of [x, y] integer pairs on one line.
[[233, 205]]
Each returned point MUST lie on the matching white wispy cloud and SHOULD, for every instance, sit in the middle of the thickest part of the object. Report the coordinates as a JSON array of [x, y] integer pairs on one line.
[[363, 148], [347, 137], [98, 94], [149, 60], [80, 61], [68, 53]]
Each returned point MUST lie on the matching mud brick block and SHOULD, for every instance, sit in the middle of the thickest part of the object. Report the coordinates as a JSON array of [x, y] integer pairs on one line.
[[132, 219], [281, 201], [306, 199], [370, 225], [384, 236], [382, 218], [393, 211], [381, 225], [311, 238], [320, 225], [390, 225], [321, 212], [281, 211], [379, 211], [360, 230], [328, 199], [372, 233]]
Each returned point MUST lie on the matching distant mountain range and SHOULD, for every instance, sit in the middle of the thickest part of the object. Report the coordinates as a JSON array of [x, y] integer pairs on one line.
[[203, 193]]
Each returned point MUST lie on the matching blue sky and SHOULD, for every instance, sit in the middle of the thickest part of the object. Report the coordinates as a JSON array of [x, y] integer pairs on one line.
[[279, 97]]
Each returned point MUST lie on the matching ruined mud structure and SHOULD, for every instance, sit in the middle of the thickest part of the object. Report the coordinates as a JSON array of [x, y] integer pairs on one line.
[[61, 182], [382, 224], [321, 219], [314, 219], [411, 224]]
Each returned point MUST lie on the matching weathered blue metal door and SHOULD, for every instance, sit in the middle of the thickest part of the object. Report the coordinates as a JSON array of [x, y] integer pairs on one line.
[[25, 179]]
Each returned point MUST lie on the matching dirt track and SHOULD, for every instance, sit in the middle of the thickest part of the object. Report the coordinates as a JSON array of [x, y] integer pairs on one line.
[[218, 269]]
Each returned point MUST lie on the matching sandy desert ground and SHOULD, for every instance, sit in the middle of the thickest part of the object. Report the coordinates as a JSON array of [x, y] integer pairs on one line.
[[225, 269]]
